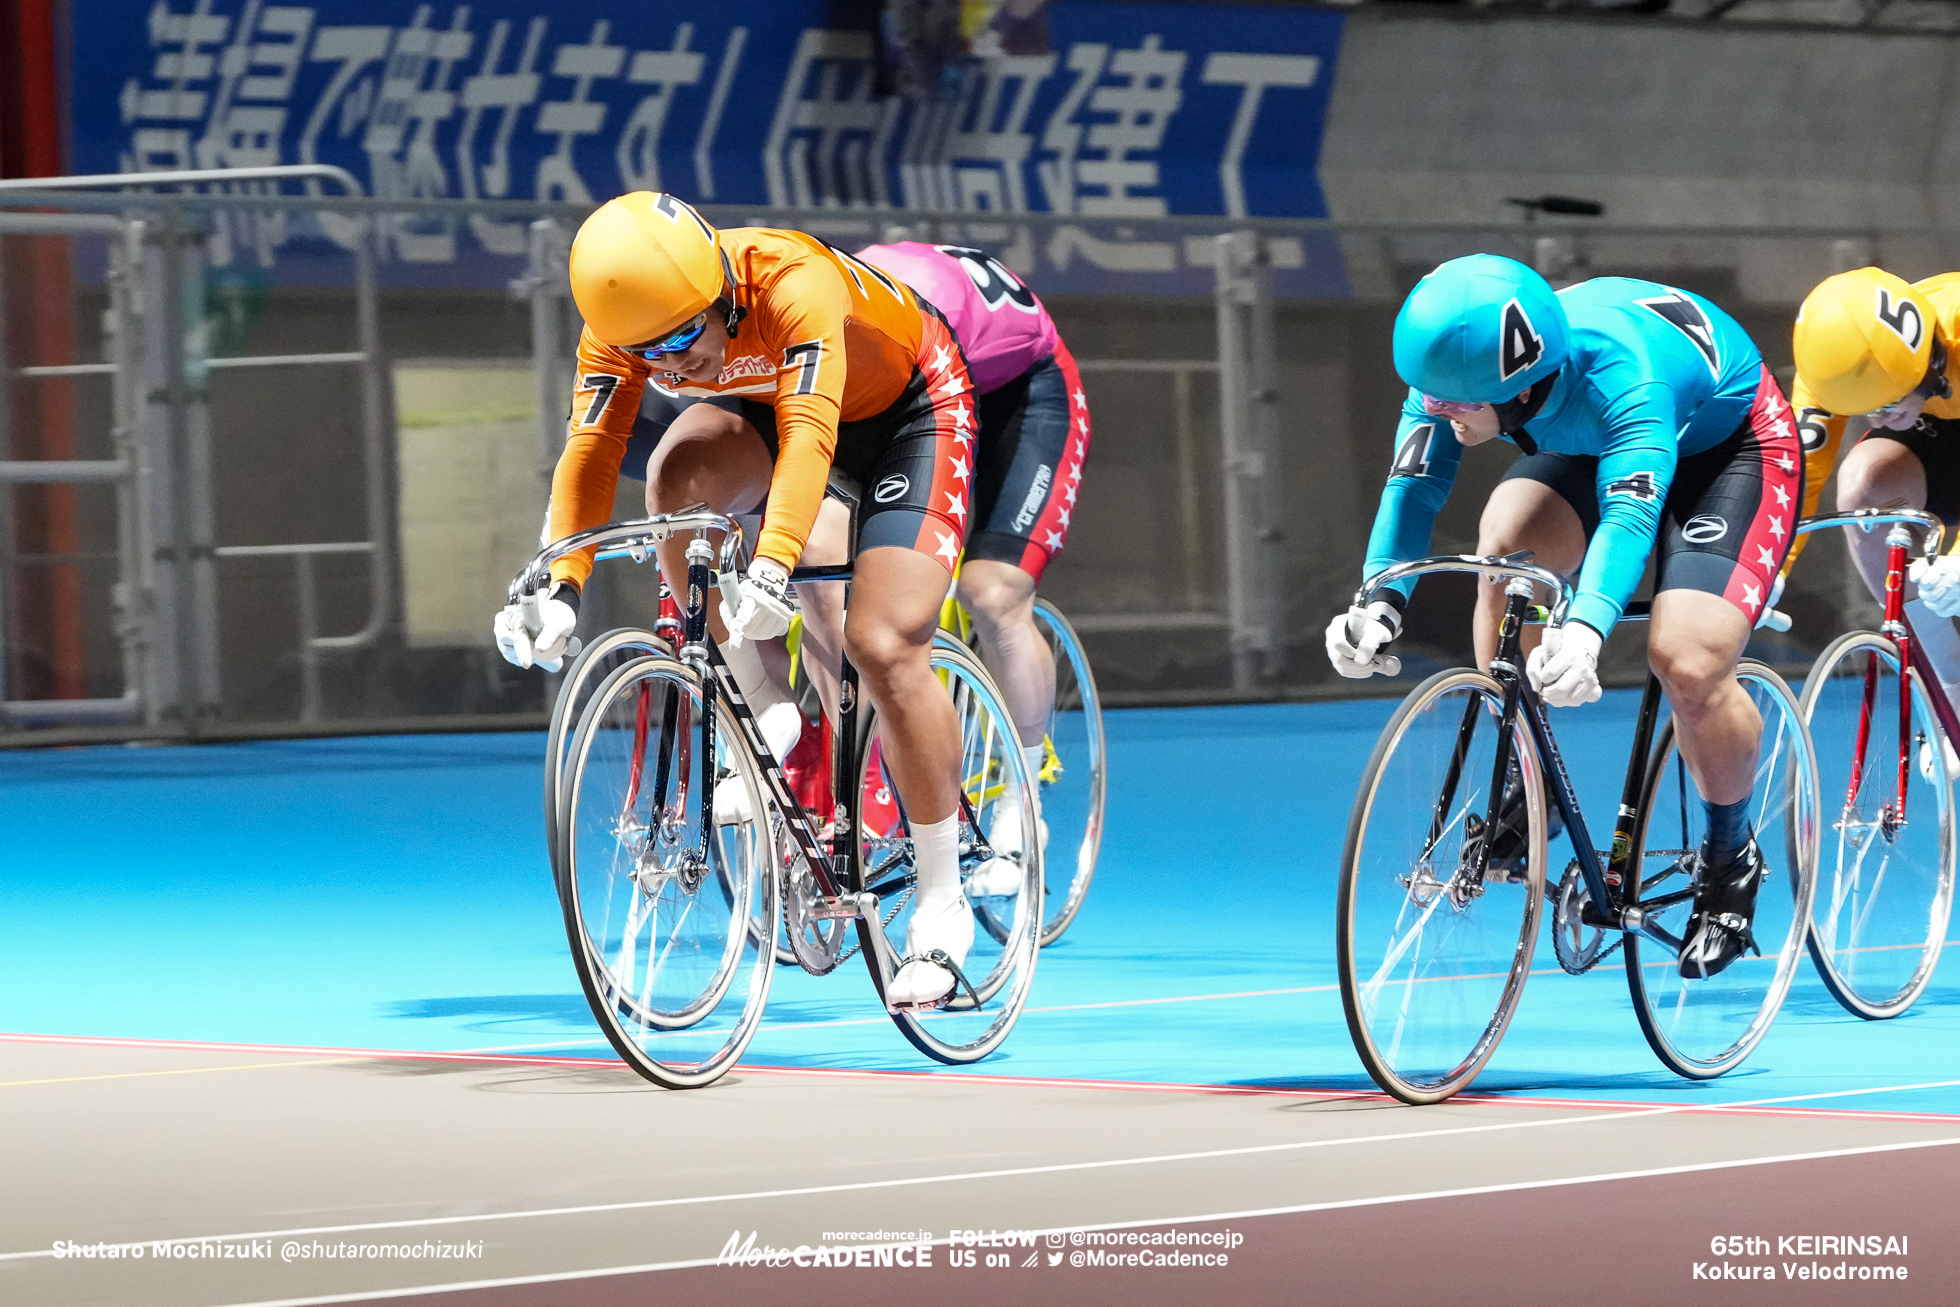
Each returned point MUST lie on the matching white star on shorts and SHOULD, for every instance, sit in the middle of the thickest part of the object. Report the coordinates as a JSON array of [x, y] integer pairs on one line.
[[1752, 595], [1081, 400], [949, 547], [956, 506], [1054, 540], [1776, 527], [1769, 559], [1782, 496], [960, 469]]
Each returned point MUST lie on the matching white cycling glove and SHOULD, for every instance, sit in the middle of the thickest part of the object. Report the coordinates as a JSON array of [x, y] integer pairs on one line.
[[536, 630], [1938, 580], [761, 609], [1355, 640], [1564, 669]]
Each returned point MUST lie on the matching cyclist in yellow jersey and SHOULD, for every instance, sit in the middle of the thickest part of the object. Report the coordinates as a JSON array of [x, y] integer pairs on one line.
[[1874, 349], [808, 358]]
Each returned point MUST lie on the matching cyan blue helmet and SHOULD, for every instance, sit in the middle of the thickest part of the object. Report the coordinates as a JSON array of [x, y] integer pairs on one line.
[[1478, 330]]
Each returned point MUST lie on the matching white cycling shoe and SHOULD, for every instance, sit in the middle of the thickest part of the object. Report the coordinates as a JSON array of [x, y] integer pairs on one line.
[[946, 925], [1000, 876]]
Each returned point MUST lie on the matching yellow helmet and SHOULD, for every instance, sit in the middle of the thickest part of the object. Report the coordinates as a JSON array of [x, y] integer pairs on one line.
[[642, 265], [1864, 339]]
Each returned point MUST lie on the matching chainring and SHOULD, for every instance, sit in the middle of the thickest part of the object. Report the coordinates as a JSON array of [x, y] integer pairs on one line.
[[1579, 946], [818, 946]]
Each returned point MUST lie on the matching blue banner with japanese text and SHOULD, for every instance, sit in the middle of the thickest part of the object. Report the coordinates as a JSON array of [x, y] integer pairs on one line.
[[1116, 113]]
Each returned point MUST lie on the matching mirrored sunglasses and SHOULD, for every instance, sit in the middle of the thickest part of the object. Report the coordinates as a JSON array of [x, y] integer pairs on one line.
[[675, 341]]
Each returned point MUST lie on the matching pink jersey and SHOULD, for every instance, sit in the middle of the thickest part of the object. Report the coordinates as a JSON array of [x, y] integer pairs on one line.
[[1001, 325]]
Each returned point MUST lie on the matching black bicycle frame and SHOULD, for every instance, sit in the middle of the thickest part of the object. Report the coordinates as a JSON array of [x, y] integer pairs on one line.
[[1609, 883]]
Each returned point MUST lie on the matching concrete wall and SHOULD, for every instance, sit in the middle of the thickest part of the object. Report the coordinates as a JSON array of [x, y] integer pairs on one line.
[[1442, 116]]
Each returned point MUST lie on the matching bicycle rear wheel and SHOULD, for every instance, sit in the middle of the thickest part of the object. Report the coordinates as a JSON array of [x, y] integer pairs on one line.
[[1007, 935], [1073, 779], [1701, 1028], [671, 934], [1884, 891], [1433, 964]]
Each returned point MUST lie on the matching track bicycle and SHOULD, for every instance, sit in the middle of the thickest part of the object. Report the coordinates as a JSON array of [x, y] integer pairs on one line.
[[1436, 933], [672, 911], [1878, 717]]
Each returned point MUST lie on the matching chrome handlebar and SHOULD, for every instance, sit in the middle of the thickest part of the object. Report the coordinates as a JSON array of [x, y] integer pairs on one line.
[[1493, 566], [634, 540], [1866, 518]]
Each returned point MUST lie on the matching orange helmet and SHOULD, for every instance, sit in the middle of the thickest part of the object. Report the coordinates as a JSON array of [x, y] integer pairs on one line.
[[642, 265], [1864, 339]]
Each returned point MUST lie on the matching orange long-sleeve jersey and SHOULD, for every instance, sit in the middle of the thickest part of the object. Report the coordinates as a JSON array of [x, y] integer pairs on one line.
[[826, 339], [1823, 431]]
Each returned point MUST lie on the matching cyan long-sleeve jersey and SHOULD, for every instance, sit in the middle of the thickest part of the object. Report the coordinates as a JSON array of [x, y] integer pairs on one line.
[[1653, 374]]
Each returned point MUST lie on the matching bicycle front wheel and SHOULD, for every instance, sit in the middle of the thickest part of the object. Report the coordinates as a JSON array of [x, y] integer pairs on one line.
[[670, 922], [1885, 869], [999, 789], [1432, 960], [595, 662], [1702, 1027]]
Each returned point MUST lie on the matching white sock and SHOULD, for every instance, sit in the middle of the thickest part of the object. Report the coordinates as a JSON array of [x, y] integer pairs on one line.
[[1037, 756], [780, 719], [936, 855]]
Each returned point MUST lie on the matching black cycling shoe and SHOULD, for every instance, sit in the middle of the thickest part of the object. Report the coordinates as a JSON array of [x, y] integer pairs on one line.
[[1725, 906], [1507, 847]]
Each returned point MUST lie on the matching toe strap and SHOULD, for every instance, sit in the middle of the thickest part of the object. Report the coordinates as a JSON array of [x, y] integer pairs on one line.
[[939, 957]]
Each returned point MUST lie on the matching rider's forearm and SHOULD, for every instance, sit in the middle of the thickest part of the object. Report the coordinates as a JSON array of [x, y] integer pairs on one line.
[[582, 489], [808, 439]]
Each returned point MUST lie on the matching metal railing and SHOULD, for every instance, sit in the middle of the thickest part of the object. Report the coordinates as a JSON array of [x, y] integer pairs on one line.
[[170, 619]]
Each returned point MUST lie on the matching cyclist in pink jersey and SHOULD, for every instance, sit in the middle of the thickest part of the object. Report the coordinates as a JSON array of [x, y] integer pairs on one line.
[[1034, 435]]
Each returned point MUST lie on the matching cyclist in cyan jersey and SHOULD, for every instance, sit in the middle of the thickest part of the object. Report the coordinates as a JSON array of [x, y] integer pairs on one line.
[[1871, 347], [1644, 413], [833, 362], [1033, 436]]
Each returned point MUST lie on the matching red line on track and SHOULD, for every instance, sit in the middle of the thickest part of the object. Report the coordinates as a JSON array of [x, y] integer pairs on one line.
[[980, 1078]]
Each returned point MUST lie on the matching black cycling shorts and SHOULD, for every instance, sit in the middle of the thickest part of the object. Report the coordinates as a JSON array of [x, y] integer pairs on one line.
[[1725, 525], [1034, 436]]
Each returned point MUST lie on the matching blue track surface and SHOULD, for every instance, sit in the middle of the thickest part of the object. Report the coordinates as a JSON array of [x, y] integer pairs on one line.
[[394, 893]]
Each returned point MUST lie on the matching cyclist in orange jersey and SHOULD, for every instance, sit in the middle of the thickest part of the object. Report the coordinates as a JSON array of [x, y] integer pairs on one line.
[[828, 362]]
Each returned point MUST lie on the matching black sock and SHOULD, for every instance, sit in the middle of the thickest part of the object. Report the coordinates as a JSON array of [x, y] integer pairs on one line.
[[1728, 829]]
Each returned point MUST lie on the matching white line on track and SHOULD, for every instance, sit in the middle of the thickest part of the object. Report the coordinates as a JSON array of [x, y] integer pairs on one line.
[[858, 1186], [1301, 1209]]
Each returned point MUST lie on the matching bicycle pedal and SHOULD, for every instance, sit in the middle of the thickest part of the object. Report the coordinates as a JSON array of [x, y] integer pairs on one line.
[[825, 908]]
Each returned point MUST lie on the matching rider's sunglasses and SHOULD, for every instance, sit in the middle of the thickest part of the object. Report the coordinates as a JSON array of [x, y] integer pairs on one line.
[[675, 341], [1430, 404]]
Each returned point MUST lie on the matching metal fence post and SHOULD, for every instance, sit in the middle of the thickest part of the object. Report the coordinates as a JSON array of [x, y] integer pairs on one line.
[[1249, 436], [546, 283]]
